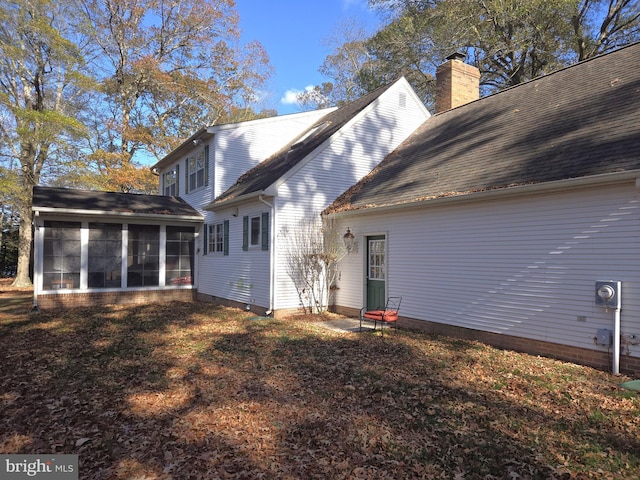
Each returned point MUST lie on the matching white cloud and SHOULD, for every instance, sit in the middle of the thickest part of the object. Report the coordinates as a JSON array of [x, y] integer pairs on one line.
[[290, 97]]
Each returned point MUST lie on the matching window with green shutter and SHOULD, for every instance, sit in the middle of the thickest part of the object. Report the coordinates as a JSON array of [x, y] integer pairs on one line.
[[216, 237], [265, 231], [255, 231], [225, 245], [245, 233]]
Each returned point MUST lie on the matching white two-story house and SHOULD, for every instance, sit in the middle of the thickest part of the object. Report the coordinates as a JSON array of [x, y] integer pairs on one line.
[[497, 219], [235, 189]]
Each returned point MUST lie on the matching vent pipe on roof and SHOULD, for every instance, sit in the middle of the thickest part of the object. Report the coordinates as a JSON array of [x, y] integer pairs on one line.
[[457, 83]]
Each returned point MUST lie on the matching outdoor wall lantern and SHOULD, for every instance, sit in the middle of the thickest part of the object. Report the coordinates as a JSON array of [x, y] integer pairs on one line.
[[349, 241]]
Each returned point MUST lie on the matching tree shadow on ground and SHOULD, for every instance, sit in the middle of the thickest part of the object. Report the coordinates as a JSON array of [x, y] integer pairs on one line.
[[197, 391]]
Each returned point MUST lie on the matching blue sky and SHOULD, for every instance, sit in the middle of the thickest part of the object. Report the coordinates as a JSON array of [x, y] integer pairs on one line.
[[292, 32]]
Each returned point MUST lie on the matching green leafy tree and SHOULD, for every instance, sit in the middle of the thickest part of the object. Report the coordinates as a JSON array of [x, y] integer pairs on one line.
[[40, 81], [9, 187], [510, 41], [166, 69]]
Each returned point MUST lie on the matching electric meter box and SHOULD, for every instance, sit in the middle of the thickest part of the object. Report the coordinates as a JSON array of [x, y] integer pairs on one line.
[[608, 293]]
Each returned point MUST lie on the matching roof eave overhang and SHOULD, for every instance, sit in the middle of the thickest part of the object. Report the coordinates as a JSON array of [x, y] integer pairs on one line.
[[234, 202], [500, 193], [204, 134], [119, 215]]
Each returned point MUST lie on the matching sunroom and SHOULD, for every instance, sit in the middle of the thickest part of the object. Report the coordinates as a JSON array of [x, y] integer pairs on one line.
[[105, 247]]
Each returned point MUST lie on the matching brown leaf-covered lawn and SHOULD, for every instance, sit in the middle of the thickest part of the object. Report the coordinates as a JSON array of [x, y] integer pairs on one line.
[[188, 391]]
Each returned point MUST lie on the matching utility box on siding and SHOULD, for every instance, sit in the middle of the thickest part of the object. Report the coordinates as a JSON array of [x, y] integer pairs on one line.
[[604, 337], [608, 294]]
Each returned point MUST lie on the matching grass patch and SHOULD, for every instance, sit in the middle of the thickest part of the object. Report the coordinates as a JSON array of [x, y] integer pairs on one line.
[[193, 391]]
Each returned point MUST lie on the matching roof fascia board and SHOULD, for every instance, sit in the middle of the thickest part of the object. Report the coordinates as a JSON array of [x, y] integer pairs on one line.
[[181, 149], [273, 188], [119, 215], [502, 193], [279, 118], [214, 207]]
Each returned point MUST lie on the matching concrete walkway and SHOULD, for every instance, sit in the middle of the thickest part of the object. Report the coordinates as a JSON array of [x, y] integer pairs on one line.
[[348, 325]]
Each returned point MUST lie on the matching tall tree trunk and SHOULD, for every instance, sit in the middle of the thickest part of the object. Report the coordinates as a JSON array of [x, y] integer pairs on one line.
[[1, 223], [24, 245], [29, 179]]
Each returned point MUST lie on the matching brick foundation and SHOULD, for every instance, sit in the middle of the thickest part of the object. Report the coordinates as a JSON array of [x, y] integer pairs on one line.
[[89, 299], [595, 358]]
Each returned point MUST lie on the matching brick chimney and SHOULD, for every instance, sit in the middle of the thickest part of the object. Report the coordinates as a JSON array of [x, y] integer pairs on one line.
[[456, 83]]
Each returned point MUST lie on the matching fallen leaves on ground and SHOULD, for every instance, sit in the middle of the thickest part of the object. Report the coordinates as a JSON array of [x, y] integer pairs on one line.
[[192, 390]]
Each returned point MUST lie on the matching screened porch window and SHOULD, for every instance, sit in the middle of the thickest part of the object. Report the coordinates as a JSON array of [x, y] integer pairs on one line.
[[61, 256], [143, 256], [105, 255], [179, 260]]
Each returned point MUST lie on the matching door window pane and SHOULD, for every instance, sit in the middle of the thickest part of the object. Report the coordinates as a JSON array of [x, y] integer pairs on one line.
[[376, 259]]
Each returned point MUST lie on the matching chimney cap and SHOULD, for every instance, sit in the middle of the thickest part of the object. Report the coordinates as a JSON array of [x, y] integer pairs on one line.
[[457, 56]]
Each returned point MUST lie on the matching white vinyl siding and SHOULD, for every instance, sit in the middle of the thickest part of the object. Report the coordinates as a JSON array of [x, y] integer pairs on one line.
[[522, 266], [240, 147], [244, 275], [241, 276], [349, 156]]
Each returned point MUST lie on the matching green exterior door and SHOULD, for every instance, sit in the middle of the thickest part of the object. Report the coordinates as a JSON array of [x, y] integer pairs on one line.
[[376, 272]]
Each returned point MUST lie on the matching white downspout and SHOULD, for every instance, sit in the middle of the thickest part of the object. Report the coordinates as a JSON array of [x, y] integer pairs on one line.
[[272, 254], [37, 271], [616, 342]]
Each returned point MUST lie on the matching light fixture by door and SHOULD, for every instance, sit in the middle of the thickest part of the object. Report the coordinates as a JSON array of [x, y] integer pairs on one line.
[[349, 241]]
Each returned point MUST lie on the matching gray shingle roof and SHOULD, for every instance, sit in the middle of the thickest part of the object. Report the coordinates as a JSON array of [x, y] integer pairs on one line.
[[112, 202], [270, 170], [579, 121]]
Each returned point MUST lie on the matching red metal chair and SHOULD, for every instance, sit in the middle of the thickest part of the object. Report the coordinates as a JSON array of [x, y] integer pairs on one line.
[[389, 315]]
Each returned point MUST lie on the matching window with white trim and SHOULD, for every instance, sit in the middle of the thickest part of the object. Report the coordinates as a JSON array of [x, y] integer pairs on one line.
[[171, 182], [255, 231], [197, 171], [216, 238]]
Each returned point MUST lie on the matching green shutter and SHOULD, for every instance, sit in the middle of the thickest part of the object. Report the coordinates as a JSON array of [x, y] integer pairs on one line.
[[265, 231], [206, 165], [186, 176], [205, 240], [225, 237], [245, 233]]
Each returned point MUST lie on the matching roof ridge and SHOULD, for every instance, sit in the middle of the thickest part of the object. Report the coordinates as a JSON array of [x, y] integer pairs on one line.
[[546, 75]]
